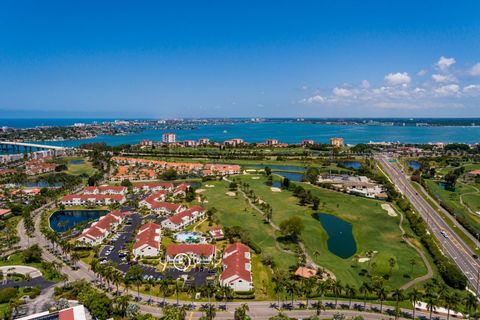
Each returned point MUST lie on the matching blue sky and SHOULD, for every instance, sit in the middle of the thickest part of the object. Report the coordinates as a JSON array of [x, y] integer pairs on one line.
[[239, 58]]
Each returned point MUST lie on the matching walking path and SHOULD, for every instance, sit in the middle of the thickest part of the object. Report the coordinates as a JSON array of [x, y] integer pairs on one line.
[[258, 309], [429, 273], [308, 259], [466, 205]]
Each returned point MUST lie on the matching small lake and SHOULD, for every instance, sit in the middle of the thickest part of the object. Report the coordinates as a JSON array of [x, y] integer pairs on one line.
[[444, 186], [292, 176], [64, 220], [276, 184], [77, 161], [340, 237], [350, 164], [415, 165], [42, 184]]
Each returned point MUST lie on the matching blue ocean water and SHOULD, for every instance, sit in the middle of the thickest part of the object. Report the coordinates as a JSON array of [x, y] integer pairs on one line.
[[31, 123], [293, 132]]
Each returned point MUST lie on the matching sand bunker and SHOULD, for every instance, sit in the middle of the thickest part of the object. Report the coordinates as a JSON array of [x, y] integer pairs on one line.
[[255, 178], [209, 186], [231, 194], [361, 260], [274, 189], [389, 209], [199, 190]]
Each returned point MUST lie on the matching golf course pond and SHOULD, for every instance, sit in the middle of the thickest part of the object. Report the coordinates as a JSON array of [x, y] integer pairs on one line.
[[64, 220], [415, 165], [340, 237], [350, 164]]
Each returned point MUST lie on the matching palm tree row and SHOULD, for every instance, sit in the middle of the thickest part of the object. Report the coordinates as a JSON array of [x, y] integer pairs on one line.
[[433, 294]]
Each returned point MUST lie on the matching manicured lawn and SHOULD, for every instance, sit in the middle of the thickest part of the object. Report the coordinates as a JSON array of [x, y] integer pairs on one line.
[[373, 229], [471, 197], [81, 168], [235, 211]]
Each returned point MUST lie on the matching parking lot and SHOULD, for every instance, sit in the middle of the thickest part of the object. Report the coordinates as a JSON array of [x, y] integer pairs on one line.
[[115, 251]]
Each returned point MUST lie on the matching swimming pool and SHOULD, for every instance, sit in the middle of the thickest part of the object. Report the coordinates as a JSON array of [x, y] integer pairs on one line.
[[189, 237]]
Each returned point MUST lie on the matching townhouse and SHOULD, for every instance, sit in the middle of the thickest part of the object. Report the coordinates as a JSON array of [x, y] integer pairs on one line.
[[180, 167], [223, 169], [152, 186], [106, 190], [216, 233], [102, 228], [181, 190], [34, 166], [156, 202], [184, 218], [198, 253], [147, 241], [92, 199], [237, 268]]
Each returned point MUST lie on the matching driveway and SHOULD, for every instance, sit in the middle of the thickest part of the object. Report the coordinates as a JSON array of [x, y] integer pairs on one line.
[[198, 276]]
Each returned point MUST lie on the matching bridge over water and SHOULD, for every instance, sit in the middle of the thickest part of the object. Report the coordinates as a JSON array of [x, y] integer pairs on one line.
[[26, 146]]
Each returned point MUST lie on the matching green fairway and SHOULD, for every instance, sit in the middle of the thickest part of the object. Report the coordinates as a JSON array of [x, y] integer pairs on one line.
[[464, 199], [77, 169], [373, 229], [235, 211]]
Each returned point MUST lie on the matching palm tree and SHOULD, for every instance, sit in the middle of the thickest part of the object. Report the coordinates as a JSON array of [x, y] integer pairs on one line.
[[350, 291], [291, 289], [210, 312], [320, 290], [431, 299], [391, 263], [227, 293], [398, 295], [337, 289], [75, 258], [365, 288], [122, 304], [241, 312], [163, 288], [177, 290], [209, 289], [450, 301], [471, 302], [192, 290], [279, 280], [413, 262], [414, 296], [278, 289], [382, 296], [308, 288], [116, 279]]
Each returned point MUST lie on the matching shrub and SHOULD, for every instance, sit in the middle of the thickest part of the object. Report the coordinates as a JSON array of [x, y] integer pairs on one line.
[[8, 294]]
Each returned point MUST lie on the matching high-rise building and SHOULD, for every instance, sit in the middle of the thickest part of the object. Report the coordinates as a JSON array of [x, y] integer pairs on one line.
[[336, 142], [169, 137]]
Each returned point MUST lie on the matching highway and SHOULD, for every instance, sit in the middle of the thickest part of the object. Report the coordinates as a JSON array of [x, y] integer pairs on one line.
[[452, 245]]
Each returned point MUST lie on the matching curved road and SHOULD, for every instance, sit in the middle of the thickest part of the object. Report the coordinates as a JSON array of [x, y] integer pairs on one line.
[[258, 309]]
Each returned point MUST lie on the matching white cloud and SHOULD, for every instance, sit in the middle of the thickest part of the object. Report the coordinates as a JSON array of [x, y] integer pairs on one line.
[[314, 99], [342, 92], [448, 90], [398, 78], [475, 70], [419, 90], [422, 72], [443, 77], [444, 63], [365, 84], [472, 88]]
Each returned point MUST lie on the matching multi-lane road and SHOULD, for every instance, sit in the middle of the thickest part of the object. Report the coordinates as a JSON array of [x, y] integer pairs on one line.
[[451, 243]]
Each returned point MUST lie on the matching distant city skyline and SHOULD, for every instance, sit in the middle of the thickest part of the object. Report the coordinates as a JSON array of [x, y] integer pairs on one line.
[[311, 59]]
